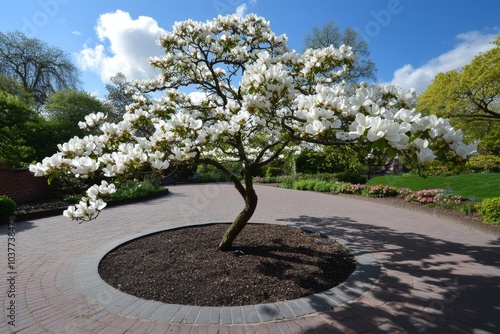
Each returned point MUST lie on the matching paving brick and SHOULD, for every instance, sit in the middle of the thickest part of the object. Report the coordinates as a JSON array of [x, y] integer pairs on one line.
[[142, 306], [180, 315], [285, 311], [237, 315], [295, 308], [127, 323], [250, 314], [192, 315], [225, 316], [424, 258], [203, 316], [268, 312], [150, 310], [169, 313]]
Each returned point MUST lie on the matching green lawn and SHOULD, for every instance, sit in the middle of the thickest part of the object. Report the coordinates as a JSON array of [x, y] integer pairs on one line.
[[478, 185]]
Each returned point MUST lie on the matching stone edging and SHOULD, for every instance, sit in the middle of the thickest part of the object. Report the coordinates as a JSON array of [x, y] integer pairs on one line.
[[98, 292]]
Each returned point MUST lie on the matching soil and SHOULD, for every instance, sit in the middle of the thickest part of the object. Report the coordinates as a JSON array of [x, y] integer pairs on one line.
[[44, 205], [268, 263]]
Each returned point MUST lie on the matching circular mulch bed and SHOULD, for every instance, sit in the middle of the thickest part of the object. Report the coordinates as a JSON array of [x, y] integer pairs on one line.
[[268, 263]]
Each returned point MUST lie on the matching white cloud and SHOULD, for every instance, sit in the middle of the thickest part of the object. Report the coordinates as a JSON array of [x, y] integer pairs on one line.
[[125, 46], [469, 45], [76, 32], [241, 10], [197, 97]]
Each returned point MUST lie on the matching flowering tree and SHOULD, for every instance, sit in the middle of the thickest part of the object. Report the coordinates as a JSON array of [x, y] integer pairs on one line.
[[253, 99]]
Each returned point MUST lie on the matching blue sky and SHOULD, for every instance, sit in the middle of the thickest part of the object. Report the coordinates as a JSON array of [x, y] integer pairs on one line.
[[410, 40]]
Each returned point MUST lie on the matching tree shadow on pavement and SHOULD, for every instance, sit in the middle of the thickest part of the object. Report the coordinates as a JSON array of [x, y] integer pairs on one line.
[[20, 226], [426, 285]]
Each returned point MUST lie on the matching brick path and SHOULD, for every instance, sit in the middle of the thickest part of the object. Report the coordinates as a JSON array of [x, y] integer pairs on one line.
[[436, 276]]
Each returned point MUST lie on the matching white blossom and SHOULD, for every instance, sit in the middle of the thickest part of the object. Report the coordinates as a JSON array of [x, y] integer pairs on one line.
[[254, 98], [425, 155]]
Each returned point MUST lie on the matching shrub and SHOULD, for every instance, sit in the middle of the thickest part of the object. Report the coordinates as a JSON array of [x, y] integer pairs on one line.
[[351, 177], [67, 185], [443, 197], [7, 206], [427, 196], [215, 176], [318, 177], [322, 186], [287, 182], [330, 159], [210, 171], [273, 171], [135, 189], [448, 199], [466, 208], [489, 209], [356, 189], [380, 191], [404, 193], [268, 179], [484, 163], [304, 184], [340, 187]]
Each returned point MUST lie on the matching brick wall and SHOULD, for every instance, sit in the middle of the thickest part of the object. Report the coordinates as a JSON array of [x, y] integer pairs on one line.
[[22, 186]]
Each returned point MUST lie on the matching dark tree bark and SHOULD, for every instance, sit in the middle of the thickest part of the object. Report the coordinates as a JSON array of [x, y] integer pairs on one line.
[[242, 219], [249, 195]]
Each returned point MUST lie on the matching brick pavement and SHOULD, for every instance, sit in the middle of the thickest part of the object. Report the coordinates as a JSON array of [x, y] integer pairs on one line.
[[435, 276]]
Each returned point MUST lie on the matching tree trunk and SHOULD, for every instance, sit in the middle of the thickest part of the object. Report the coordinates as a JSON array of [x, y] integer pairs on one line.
[[242, 219]]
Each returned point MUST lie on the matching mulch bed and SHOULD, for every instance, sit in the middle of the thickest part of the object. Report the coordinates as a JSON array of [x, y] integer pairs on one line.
[[268, 263], [43, 205]]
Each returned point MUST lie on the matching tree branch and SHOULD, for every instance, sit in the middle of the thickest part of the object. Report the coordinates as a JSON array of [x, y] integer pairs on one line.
[[273, 156], [237, 184]]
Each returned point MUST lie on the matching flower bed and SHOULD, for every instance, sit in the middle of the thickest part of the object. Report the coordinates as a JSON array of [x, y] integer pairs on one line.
[[443, 198]]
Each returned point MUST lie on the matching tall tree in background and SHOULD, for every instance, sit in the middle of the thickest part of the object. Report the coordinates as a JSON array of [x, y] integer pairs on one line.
[[330, 34], [17, 123], [362, 69], [63, 111], [120, 94], [15, 88], [40, 68], [469, 96]]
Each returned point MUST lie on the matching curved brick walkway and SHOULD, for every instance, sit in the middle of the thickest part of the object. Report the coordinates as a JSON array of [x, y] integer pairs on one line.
[[436, 276]]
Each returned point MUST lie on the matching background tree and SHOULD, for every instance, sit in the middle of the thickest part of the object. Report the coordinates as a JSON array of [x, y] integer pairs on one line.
[[63, 112], [13, 87], [330, 34], [120, 95], [17, 123], [255, 99], [331, 159], [363, 69], [469, 96], [40, 68]]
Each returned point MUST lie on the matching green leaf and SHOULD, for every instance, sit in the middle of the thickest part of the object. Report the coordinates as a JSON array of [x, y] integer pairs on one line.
[[379, 145], [52, 176], [391, 152]]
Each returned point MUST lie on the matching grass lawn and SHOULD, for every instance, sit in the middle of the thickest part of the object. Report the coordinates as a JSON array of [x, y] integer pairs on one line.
[[478, 185]]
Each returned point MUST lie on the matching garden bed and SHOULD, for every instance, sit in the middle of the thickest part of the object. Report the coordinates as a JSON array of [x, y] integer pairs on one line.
[[51, 207], [268, 263]]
